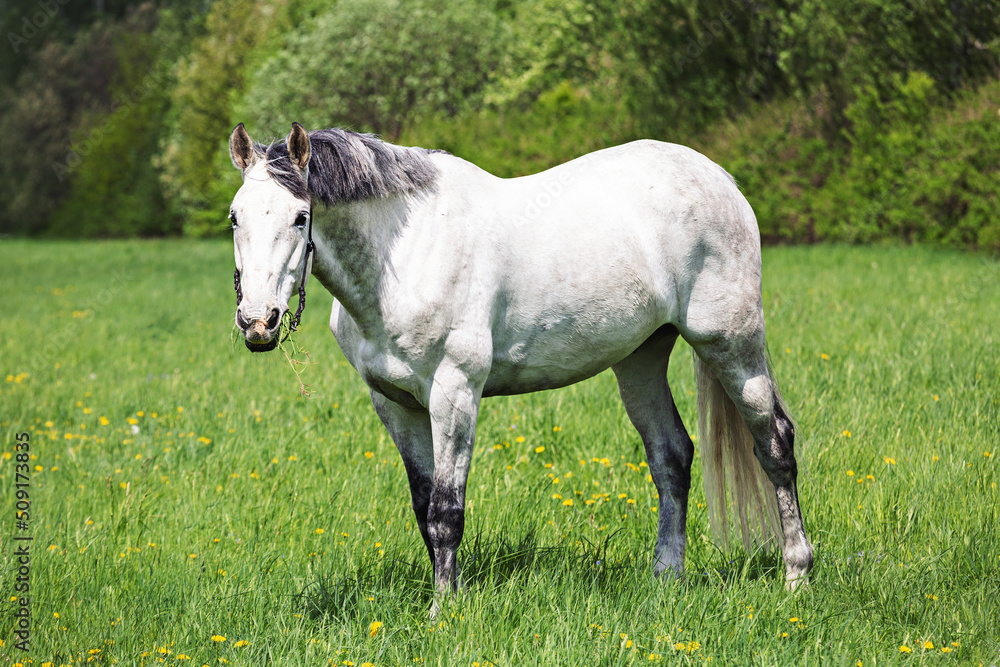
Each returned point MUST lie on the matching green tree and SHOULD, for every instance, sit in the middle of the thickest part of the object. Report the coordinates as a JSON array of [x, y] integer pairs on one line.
[[210, 80], [115, 185], [65, 88], [376, 65]]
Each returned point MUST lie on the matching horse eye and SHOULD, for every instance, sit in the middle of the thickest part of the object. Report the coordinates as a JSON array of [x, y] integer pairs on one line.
[[301, 219], [232, 217]]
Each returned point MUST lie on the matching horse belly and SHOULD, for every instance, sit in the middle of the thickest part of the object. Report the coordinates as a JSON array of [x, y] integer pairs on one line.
[[556, 354]]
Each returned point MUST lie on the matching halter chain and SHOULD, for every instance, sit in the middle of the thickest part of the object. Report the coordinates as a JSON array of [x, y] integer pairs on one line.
[[310, 247]]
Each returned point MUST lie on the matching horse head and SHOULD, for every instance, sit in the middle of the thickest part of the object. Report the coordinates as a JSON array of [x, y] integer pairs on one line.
[[271, 218]]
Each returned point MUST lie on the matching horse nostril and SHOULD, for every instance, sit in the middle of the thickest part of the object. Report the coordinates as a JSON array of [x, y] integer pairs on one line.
[[241, 321], [272, 321]]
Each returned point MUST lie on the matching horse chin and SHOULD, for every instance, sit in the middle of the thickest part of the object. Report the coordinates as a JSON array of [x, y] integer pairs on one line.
[[261, 347]]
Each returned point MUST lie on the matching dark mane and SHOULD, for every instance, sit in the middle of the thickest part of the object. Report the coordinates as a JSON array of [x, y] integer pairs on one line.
[[349, 166]]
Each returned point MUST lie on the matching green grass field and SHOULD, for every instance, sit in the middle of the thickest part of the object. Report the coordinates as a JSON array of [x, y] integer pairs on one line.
[[182, 491]]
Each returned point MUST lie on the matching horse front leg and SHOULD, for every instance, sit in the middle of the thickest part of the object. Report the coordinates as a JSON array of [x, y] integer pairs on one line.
[[454, 408], [411, 432]]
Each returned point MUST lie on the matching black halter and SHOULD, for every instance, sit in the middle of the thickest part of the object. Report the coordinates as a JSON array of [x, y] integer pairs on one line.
[[310, 247]]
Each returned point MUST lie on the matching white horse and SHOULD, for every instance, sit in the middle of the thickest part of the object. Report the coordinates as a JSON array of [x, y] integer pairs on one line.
[[451, 285]]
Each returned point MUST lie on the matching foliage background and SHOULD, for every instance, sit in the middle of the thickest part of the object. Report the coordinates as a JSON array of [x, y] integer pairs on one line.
[[856, 121]]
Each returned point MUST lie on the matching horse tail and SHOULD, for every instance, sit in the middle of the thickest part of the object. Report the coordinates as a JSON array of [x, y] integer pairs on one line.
[[728, 461]]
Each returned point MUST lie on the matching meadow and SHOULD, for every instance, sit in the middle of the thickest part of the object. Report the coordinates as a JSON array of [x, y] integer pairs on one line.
[[189, 506]]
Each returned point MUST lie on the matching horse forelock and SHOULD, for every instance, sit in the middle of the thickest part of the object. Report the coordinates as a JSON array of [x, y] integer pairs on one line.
[[349, 166]]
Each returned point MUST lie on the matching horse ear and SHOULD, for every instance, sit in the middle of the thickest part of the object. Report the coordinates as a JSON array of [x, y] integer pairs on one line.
[[241, 148], [298, 146]]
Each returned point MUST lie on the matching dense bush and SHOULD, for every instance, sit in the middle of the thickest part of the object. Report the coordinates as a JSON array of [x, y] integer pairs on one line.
[[376, 65], [908, 170]]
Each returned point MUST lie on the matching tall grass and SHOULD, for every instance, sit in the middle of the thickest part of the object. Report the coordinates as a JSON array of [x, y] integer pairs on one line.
[[188, 491]]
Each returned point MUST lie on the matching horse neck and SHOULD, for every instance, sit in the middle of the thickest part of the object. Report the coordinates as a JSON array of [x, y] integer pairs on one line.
[[353, 242]]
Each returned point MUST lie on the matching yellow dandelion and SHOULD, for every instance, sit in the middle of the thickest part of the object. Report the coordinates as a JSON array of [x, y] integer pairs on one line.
[[824, 356], [539, 449], [928, 645], [905, 649], [850, 473], [320, 531], [793, 619], [182, 656], [240, 643], [519, 438], [374, 628], [218, 639], [888, 459], [293, 457], [568, 502], [846, 433], [369, 455], [556, 429], [945, 649], [205, 441]]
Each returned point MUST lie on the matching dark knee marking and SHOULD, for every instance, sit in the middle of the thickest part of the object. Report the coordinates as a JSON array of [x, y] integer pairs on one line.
[[779, 459], [446, 518], [784, 429]]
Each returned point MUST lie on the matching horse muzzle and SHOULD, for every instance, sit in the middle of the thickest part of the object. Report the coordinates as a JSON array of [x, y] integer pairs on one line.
[[259, 335]]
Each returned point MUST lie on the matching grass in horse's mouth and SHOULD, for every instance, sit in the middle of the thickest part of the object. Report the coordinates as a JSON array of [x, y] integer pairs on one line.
[[283, 341]]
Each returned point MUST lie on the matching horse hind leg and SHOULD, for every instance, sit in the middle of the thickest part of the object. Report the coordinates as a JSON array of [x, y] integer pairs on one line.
[[642, 383], [734, 382]]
